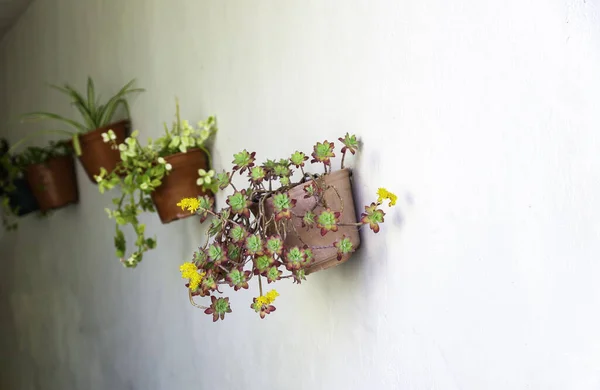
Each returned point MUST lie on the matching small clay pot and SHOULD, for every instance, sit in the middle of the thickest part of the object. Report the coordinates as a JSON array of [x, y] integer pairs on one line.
[[96, 154], [180, 183], [323, 257], [21, 199], [53, 183]]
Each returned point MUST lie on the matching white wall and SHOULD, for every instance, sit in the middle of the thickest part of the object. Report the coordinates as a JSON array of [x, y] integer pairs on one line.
[[482, 115]]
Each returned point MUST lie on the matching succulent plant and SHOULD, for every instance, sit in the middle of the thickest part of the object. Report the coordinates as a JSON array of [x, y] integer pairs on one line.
[[247, 238]]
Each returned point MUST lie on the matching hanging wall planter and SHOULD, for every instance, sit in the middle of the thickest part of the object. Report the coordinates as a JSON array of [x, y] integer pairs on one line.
[[180, 183], [338, 196], [36, 179], [87, 140], [275, 228], [96, 154], [53, 182], [154, 177]]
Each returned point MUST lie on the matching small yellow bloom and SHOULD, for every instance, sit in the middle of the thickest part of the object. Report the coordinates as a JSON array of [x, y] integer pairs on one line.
[[267, 299], [261, 301], [191, 204], [195, 280], [187, 269], [271, 295], [384, 194], [190, 271]]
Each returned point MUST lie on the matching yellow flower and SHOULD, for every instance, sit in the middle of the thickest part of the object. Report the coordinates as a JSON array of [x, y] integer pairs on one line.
[[191, 204], [271, 295], [187, 269], [261, 301], [267, 299], [195, 280], [190, 271], [384, 194]]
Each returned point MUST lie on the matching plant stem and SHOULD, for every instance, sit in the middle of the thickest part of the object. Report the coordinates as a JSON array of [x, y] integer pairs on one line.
[[194, 303]]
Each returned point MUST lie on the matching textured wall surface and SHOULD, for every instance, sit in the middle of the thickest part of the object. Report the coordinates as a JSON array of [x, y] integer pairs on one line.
[[482, 115]]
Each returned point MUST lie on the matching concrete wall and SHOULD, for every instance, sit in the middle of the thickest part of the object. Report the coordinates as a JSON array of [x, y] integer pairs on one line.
[[482, 115]]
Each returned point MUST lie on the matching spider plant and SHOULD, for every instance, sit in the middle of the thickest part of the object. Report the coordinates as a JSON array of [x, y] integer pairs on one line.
[[93, 113]]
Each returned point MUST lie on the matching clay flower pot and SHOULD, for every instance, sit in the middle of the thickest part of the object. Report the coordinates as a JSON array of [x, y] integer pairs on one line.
[[323, 257], [180, 183], [53, 183], [96, 154], [22, 199]]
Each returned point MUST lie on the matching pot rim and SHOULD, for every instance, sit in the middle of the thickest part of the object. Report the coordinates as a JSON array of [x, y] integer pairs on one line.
[[98, 131], [45, 163]]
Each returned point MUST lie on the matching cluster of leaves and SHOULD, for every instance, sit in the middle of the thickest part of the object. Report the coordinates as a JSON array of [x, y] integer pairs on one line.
[[247, 239], [93, 113], [12, 168], [140, 171]]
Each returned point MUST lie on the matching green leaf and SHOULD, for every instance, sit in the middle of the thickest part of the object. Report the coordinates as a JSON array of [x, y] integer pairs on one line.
[[234, 252], [222, 180], [275, 245], [151, 243], [273, 274], [263, 262], [91, 104], [298, 159], [116, 101], [281, 202], [175, 141], [254, 244], [120, 242], [215, 253], [76, 144], [238, 233], [215, 227], [80, 103], [48, 115]]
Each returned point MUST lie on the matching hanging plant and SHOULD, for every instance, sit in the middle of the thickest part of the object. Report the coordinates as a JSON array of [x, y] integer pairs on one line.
[[277, 228], [153, 176], [16, 198], [37, 178], [96, 118]]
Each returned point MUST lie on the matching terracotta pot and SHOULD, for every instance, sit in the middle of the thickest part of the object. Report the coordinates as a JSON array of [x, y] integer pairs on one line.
[[96, 154], [54, 183], [324, 258], [180, 183]]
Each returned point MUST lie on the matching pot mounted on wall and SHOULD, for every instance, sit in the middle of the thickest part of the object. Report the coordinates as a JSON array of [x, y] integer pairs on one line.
[[325, 256], [54, 183], [180, 183], [96, 154]]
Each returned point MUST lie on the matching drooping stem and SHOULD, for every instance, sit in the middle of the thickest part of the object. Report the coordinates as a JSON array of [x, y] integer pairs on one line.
[[339, 197], [177, 114], [194, 303], [260, 286], [208, 155]]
